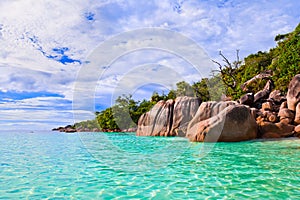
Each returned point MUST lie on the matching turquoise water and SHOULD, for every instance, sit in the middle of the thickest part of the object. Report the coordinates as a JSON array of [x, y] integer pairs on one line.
[[48, 165]]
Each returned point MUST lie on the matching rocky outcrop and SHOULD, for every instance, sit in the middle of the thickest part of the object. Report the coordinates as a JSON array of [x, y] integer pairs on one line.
[[210, 109], [297, 131], [267, 106], [286, 116], [293, 94], [271, 115], [275, 130], [280, 114], [297, 117], [211, 121], [263, 75], [267, 114], [168, 118], [264, 93], [247, 99], [184, 110], [199, 122], [277, 97], [66, 129], [222, 122], [158, 121], [134, 129]]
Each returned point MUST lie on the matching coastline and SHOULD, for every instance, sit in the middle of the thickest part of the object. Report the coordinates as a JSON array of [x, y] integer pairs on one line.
[[266, 114]]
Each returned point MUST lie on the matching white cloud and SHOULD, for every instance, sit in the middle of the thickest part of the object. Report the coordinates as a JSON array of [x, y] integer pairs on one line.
[[40, 119], [31, 30], [46, 112]]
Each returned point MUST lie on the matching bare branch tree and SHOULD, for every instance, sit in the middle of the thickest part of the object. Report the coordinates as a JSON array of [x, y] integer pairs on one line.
[[228, 70]]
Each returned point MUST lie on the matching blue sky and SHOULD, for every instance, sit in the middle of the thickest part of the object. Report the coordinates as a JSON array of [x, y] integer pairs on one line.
[[45, 44]]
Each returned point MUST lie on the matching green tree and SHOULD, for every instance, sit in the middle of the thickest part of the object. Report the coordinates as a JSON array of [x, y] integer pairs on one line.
[[125, 111], [184, 89], [171, 94], [201, 89], [286, 59], [156, 97], [106, 119]]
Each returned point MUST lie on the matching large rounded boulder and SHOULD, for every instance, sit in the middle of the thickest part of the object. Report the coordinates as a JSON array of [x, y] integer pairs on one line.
[[158, 121], [184, 110], [275, 130], [168, 118], [222, 122]]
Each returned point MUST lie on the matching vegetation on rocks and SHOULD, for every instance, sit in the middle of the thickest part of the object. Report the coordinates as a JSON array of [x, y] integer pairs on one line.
[[280, 63]]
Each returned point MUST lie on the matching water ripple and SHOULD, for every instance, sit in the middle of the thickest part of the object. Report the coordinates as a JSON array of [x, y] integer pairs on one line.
[[60, 166]]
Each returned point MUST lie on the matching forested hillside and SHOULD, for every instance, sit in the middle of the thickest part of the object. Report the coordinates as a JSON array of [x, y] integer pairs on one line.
[[283, 61]]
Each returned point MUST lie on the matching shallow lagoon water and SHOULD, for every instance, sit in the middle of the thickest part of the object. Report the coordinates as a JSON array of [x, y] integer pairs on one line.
[[50, 165]]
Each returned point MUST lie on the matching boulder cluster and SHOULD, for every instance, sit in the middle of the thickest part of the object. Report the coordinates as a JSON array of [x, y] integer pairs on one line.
[[67, 129], [279, 116], [266, 114]]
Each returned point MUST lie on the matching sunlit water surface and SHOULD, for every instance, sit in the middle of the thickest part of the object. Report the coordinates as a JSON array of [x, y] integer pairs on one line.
[[49, 165]]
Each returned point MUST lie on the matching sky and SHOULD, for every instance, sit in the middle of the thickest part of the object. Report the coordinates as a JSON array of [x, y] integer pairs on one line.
[[58, 57]]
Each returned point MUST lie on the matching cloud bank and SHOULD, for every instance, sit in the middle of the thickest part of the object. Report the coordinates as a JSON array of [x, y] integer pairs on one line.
[[44, 44]]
